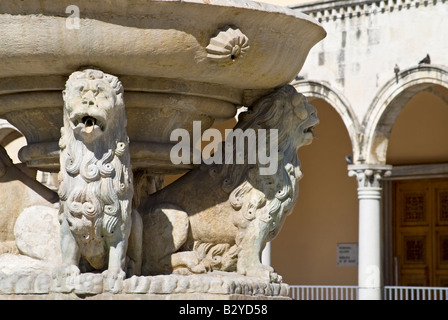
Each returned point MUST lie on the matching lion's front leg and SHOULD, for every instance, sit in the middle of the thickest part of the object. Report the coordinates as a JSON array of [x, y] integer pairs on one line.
[[135, 242], [70, 252], [251, 242], [68, 270], [116, 240], [117, 258], [115, 274]]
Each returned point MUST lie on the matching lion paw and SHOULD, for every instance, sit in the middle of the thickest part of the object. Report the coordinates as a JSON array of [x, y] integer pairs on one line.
[[113, 280], [192, 261], [114, 274], [65, 278], [262, 271], [275, 277]]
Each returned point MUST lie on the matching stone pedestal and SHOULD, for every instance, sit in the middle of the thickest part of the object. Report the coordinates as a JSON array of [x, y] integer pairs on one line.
[[93, 286]]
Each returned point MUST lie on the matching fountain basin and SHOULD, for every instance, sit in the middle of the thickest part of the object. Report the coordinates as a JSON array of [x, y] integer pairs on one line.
[[179, 61]]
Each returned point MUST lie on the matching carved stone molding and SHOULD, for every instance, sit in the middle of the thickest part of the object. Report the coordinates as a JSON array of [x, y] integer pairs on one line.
[[216, 285], [369, 176], [348, 9]]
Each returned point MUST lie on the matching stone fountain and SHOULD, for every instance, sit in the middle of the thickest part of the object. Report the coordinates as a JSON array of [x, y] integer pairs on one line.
[[97, 92]]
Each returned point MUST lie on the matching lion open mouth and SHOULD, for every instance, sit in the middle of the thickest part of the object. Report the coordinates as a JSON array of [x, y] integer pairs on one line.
[[310, 126], [88, 123], [309, 129]]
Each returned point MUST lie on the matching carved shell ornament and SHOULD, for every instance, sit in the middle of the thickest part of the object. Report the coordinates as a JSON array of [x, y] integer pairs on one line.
[[228, 45]]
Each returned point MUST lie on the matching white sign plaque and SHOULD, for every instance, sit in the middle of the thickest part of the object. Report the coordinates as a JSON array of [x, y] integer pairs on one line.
[[347, 254]]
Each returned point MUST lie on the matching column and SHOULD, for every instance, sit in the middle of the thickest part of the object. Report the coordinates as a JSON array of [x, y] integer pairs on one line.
[[266, 254], [370, 268]]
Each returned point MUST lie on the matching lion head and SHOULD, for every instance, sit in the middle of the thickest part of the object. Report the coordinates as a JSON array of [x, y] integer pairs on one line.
[[289, 112], [290, 116], [93, 104], [271, 197]]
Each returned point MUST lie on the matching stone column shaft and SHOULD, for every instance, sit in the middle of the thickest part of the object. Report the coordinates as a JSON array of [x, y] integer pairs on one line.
[[266, 254], [370, 269]]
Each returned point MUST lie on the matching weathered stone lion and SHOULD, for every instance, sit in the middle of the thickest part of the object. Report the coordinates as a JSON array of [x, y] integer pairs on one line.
[[98, 224], [219, 217]]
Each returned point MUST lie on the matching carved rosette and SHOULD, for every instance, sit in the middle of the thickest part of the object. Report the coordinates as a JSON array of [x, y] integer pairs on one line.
[[369, 176], [228, 45]]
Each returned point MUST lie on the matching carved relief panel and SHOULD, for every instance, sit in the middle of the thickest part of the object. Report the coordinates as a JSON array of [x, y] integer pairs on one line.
[[414, 208], [415, 249]]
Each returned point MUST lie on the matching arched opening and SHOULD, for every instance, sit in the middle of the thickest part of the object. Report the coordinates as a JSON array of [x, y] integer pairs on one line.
[[416, 197], [420, 133], [11, 139], [326, 213], [390, 101]]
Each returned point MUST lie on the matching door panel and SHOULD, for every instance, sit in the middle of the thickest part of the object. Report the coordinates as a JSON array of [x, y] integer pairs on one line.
[[414, 252], [441, 234], [421, 232], [441, 205], [441, 261]]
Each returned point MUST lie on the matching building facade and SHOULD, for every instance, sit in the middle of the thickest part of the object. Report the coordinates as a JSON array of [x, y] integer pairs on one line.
[[376, 177]]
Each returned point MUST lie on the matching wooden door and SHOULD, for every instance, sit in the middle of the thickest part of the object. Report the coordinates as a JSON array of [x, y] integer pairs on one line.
[[421, 232]]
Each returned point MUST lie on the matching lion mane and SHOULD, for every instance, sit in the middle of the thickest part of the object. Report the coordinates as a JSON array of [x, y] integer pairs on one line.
[[278, 191]]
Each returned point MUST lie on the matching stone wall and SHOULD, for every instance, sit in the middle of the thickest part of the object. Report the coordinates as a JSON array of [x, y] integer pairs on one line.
[[366, 39]]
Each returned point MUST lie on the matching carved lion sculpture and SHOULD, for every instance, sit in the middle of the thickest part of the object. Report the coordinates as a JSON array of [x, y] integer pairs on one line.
[[220, 216], [98, 224]]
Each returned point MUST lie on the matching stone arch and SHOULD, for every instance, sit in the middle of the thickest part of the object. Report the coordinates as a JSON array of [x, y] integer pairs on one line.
[[8, 132], [388, 104], [319, 90]]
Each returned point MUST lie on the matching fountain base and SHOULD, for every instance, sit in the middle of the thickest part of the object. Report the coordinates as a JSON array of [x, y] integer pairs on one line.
[[93, 286]]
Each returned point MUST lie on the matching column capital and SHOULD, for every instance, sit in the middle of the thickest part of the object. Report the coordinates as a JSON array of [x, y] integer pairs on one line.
[[369, 175]]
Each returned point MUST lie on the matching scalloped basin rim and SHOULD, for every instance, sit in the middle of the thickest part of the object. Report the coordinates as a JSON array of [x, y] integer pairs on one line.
[[156, 39], [161, 57]]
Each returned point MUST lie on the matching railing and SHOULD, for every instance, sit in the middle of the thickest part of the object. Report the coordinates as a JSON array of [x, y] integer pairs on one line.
[[351, 293], [323, 292], [415, 293]]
